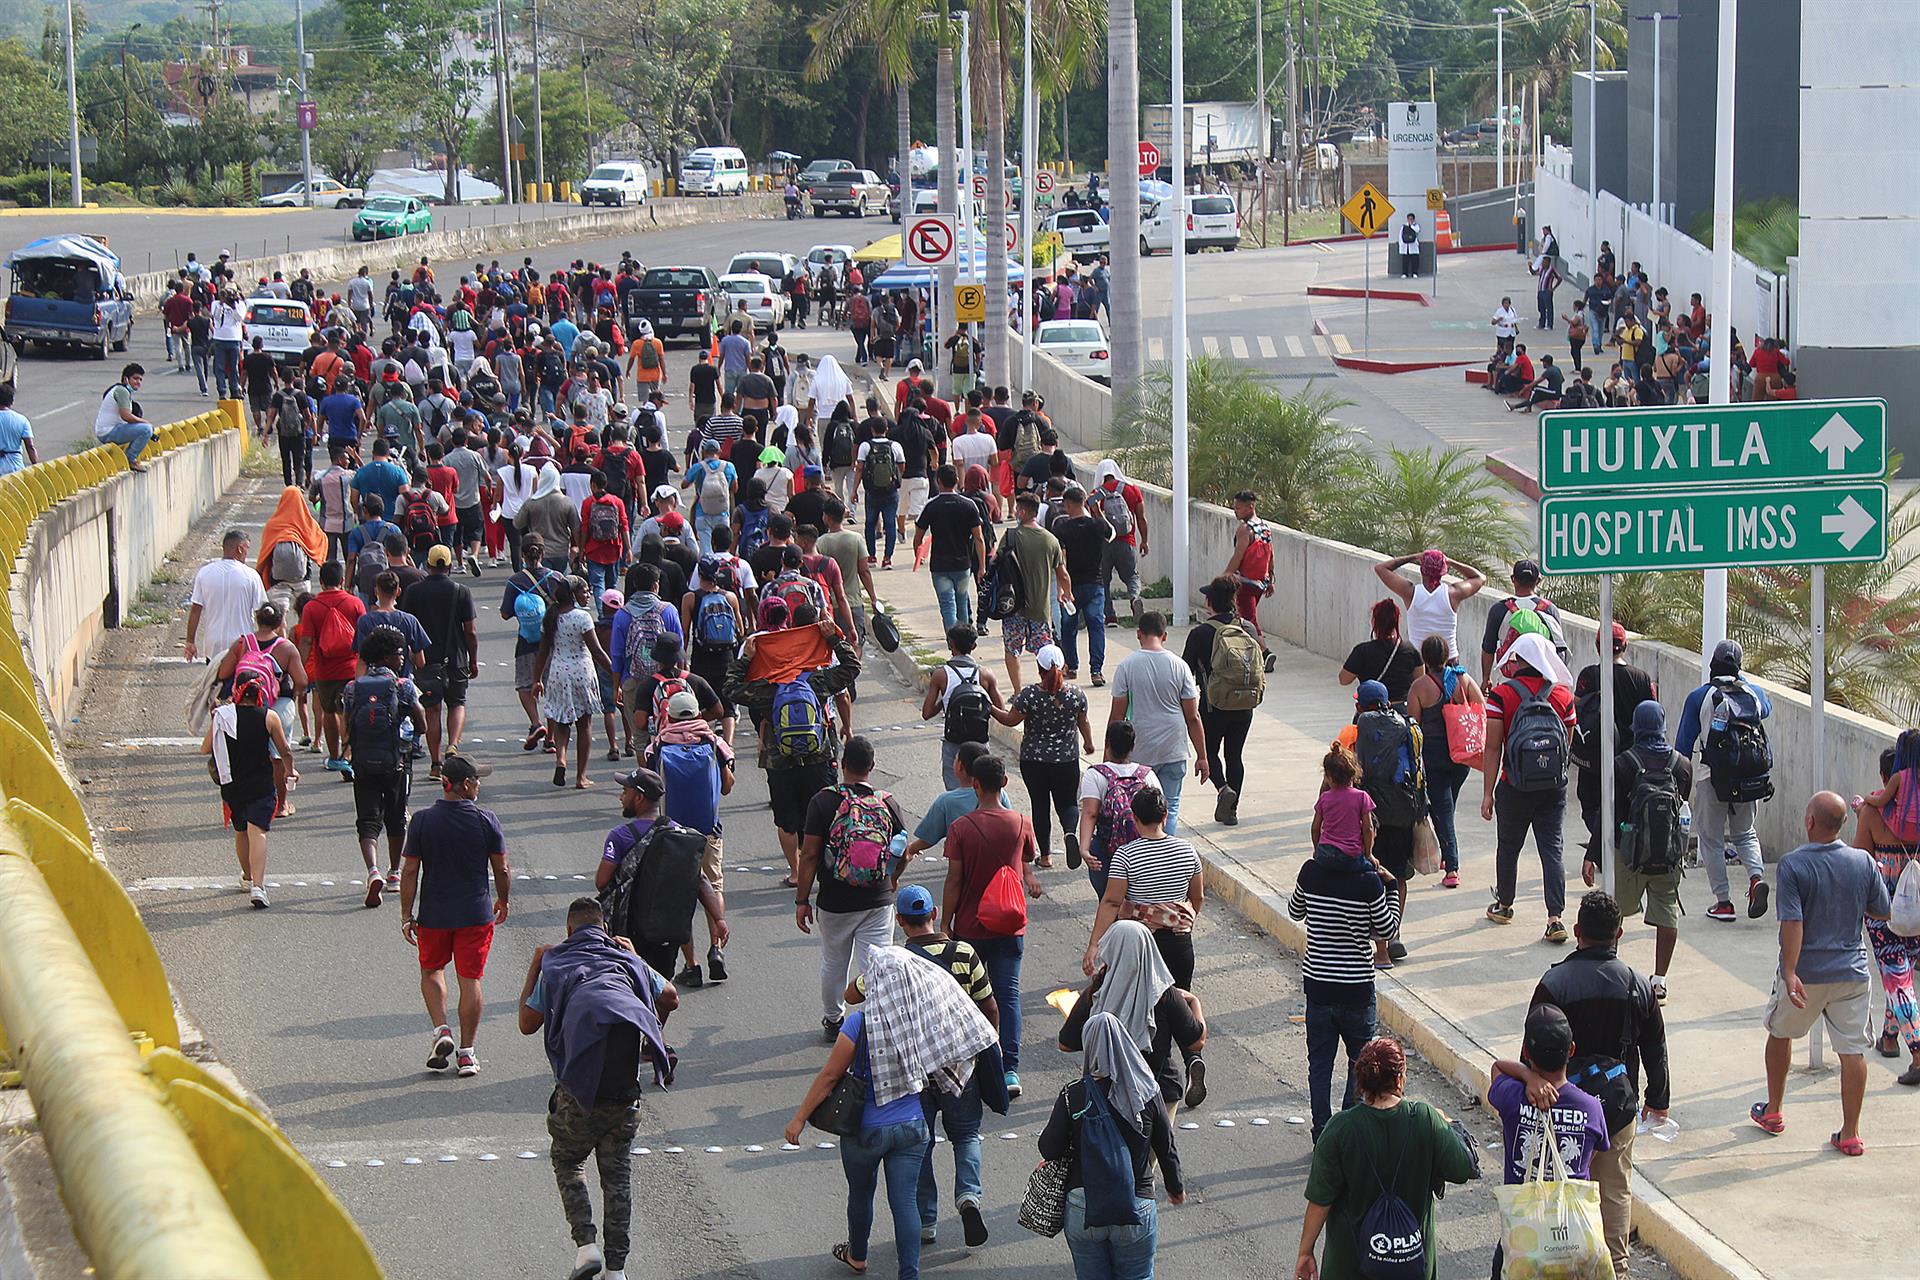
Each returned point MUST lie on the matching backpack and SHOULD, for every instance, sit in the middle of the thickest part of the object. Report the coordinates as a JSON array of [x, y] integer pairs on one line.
[[715, 625], [1584, 750], [1655, 842], [1531, 617], [290, 563], [969, 717], [257, 660], [1534, 755], [613, 466], [793, 589], [438, 412], [883, 469], [1026, 439], [1113, 505], [603, 521], [1114, 826], [665, 687], [962, 355], [645, 622], [713, 495], [373, 721], [1256, 562], [1389, 1241], [693, 784], [333, 638], [1002, 909], [1608, 1082], [289, 418], [753, 529], [840, 446], [530, 612], [856, 846], [657, 886], [368, 565], [1106, 1164], [1004, 593], [422, 525], [799, 723], [1389, 766], [1736, 749], [649, 353], [1236, 669]]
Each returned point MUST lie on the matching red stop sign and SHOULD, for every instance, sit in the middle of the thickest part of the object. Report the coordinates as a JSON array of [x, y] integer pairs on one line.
[[1149, 159]]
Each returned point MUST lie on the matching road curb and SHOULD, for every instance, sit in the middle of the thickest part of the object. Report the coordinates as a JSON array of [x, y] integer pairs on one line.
[[1344, 291], [1366, 365], [1512, 474]]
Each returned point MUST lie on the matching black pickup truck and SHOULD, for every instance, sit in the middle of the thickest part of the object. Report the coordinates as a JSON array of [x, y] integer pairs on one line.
[[676, 301]]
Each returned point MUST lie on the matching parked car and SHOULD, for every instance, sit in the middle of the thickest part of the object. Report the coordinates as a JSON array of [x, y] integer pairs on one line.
[[68, 290], [1083, 232], [284, 327], [766, 262], [849, 191], [675, 300], [1081, 345], [816, 170], [1213, 222], [617, 182], [387, 216], [714, 171], [822, 254], [327, 194], [765, 303]]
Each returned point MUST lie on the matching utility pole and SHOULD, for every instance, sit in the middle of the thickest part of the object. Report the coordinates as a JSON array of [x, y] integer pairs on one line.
[[1314, 84], [1177, 347], [1592, 144], [586, 100], [500, 96], [1291, 156], [539, 116], [1028, 100], [73, 118], [1499, 97], [1266, 121], [306, 135], [1713, 612]]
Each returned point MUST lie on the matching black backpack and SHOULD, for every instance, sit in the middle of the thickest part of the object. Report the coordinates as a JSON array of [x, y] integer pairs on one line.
[[840, 445], [1004, 593], [1736, 747], [1655, 844], [1608, 1082], [1534, 755], [1584, 750], [653, 893], [1389, 1240], [1389, 767], [373, 721], [969, 716]]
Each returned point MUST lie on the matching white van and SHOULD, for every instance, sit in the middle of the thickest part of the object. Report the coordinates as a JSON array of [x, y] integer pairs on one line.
[[617, 182], [714, 171], [1213, 222]]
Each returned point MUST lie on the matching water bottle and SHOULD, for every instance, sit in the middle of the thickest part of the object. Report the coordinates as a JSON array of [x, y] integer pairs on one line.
[[897, 853], [1665, 1128], [1692, 855]]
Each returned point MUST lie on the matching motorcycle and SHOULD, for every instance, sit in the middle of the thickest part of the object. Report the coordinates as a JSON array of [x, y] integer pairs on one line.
[[793, 208]]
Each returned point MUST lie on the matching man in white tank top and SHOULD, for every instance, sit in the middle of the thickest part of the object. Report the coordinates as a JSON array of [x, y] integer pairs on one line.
[[1433, 603]]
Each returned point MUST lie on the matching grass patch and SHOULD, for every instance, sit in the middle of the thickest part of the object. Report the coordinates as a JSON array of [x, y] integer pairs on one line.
[[153, 607], [1163, 589]]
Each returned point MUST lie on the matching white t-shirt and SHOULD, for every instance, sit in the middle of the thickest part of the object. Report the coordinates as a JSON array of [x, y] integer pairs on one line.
[[1154, 683], [1093, 783], [227, 322], [973, 447], [227, 591], [1506, 322], [461, 341], [779, 482]]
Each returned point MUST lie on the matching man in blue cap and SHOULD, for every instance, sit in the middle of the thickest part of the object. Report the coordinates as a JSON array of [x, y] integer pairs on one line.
[[919, 920]]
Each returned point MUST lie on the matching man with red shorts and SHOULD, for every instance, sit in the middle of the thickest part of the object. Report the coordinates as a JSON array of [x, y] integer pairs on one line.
[[1251, 567], [450, 849]]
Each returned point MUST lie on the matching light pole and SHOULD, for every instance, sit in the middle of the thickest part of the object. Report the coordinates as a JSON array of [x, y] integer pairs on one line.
[[1499, 97], [1713, 612], [300, 77], [967, 245], [1657, 18], [1028, 99], [500, 97], [539, 116], [1177, 157], [73, 118], [1593, 140]]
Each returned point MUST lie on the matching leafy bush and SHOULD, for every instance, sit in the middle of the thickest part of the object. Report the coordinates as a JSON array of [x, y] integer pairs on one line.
[[224, 192], [1407, 501], [175, 192]]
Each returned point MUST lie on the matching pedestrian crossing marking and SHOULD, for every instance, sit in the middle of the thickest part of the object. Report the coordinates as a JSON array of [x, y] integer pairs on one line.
[[1295, 347], [1341, 346], [1267, 351], [1211, 345], [1238, 346], [1320, 345]]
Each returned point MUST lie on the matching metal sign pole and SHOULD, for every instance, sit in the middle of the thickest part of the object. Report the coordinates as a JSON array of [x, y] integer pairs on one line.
[[1366, 271], [1609, 828], [1817, 692]]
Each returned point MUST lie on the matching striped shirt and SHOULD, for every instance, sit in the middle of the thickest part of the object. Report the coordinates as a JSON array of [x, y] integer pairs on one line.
[[1156, 869], [1345, 907]]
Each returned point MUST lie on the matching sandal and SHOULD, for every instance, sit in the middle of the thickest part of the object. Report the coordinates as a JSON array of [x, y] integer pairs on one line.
[[1847, 1146], [1771, 1121], [845, 1254], [560, 775], [1890, 1045]]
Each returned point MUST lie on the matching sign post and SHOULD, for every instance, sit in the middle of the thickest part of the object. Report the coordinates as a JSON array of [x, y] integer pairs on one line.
[[1370, 214], [1413, 164]]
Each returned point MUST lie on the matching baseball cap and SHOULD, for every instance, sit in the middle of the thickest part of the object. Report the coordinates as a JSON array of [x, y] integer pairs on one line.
[[1372, 693], [1050, 657], [645, 781], [1527, 570], [1549, 1036], [458, 769], [812, 473], [439, 557], [914, 366], [673, 522], [683, 706], [611, 599], [913, 903]]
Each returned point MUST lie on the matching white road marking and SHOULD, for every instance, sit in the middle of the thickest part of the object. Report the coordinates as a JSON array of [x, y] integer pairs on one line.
[[1238, 346], [1211, 345], [1320, 345], [1267, 350], [155, 742], [1295, 347]]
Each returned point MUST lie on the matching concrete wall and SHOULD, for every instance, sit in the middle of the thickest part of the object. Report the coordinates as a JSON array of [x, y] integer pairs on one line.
[[337, 262], [89, 555], [1610, 141], [1081, 408]]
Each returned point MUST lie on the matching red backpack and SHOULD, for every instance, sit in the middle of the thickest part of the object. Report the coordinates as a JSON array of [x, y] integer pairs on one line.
[[1256, 562], [422, 525]]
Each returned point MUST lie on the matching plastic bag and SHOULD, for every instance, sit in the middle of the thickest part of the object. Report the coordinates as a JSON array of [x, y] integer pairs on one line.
[[1550, 1224], [1906, 901], [1426, 849]]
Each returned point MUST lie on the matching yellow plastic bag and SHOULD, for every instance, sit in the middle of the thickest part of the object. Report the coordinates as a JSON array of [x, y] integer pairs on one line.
[[1550, 1224]]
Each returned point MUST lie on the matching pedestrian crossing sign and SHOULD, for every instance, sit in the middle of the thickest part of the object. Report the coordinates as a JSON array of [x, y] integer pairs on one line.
[[1367, 210]]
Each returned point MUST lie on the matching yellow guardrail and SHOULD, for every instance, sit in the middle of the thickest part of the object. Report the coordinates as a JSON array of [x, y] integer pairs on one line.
[[165, 1171]]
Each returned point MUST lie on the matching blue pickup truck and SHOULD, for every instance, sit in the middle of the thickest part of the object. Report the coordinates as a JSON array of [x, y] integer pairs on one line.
[[68, 290]]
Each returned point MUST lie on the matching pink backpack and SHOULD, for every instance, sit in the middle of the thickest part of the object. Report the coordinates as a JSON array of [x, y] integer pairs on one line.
[[257, 660], [1114, 827]]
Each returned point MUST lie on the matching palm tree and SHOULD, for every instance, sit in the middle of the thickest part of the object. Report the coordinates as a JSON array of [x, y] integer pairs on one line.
[[1411, 499], [891, 30], [1548, 41], [1126, 342]]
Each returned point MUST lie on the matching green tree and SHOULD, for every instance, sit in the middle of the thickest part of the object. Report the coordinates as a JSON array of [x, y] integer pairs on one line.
[[32, 108], [417, 50], [563, 106], [1407, 500], [354, 123]]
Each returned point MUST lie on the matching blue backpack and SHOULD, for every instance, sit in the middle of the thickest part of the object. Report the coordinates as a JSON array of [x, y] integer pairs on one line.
[[530, 612], [799, 723], [1105, 1162], [1389, 1239], [753, 530], [693, 784], [715, 625]]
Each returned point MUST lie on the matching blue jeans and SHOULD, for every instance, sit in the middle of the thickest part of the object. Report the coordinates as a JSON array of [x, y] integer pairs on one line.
[[1002, 958], [1089, 611], [1097, 876], [1111, 1253], [602, 577], [1328, 1027], [226, 368], [130, 436], [954, 590], [203, 366], [1444, 782], [899, 1147], [961, 1118], [703, 527], [1172, 777], [882, 510]]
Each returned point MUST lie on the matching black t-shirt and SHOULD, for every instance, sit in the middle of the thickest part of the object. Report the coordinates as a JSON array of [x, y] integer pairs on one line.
[[705, 381], [1082, 538], [260, 371], [200, 330], [766, 562], [809, 506], [1392, 662], [916, 441], [745, 457], [1039, 469], [658, 465], [1001, 416], [835, 894], [755, 386], [950, 521], [443, 606], [1631, 687]]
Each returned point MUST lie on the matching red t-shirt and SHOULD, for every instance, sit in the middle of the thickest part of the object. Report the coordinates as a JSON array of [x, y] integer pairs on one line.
[[1766, 361], [636, 469], [606, 550], [939, 410], [312, 627], [1503, 701], [978, 844], [445, 481], [177, 310], [1131, 495]]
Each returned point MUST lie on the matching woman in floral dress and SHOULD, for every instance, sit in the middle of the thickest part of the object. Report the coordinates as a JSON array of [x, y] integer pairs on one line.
[[565, 683]]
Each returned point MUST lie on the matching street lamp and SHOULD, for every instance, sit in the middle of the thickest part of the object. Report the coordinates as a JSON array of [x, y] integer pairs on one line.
[[306, 134], [967, 246], [1499, 97], [1177, 157], [1593, 140], [1028, 98]]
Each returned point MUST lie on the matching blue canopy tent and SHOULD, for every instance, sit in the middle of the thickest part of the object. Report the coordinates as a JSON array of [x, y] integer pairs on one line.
[[911, 275]]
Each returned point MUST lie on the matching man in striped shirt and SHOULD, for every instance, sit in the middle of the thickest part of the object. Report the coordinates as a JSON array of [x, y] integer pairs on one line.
[[1346, 907]]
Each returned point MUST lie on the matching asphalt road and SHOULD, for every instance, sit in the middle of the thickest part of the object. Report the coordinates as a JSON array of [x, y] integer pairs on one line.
[[314, 1004]]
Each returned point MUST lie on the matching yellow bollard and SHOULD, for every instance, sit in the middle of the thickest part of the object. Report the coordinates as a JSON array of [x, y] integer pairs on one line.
[[671, 186], [533, 193], [565, 194]]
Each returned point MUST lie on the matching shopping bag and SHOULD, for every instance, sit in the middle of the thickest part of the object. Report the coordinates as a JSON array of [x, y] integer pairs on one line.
[[1466, 731], [1426, 849], [1550, 1224], [1906, 901]]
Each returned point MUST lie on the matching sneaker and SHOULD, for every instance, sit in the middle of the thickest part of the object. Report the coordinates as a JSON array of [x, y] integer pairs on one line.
[[1500, 912], [1196, 1083], [1556, 932], [1013, 1084], [258, 897], [929, 1233], [1659, 984], [375, 887], [473, 564], [433, 771], [1271, 662], [689, 977], [334, 764], [974, 1223], [716, 964], [1723, 912], [830, 1029], [1451, 880], [442, 1049], [393, 882], [468, 1063], [1225, 806], [1073, 851], [246, 886], [346, 771], [1756, 898], [587, 1263], [1396, 950]]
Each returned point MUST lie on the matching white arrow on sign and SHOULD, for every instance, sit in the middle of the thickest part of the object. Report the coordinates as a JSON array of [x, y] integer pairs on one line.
[[1836, 438], [1852, 523]]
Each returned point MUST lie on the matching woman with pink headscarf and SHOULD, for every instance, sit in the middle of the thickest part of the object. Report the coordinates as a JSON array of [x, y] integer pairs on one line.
[[1433, 602]]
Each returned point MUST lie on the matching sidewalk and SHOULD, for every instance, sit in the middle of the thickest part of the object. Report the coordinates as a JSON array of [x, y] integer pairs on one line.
[[1724, 1199]]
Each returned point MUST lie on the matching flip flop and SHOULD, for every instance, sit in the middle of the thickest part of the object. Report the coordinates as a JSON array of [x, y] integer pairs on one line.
[[1847, 1147], [1771, 1121], [845, 1255]]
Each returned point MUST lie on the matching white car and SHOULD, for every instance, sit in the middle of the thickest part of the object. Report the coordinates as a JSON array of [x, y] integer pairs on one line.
[[1081, 345], [765, 303], [764, 262], [822, 254], [284, 327], [327, 194], [1083, 233], [1213, 222]]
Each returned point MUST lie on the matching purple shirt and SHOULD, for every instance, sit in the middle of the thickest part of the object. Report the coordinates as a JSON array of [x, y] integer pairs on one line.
[[1342, 810], [1578, 1126], [623, 838]]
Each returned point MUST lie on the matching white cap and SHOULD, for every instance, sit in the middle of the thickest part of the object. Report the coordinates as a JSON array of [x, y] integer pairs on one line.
[[1050, 657], [666, 491]]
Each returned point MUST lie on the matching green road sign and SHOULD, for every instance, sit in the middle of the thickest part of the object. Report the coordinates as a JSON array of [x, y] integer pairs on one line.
[[1772, 442], [1718, 529]]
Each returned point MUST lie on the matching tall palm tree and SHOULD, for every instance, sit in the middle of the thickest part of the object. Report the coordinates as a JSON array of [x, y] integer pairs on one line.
[[947, 141], [890, 30], [1126, 342]]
